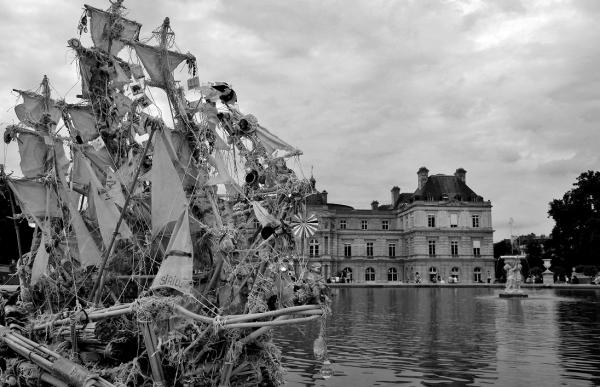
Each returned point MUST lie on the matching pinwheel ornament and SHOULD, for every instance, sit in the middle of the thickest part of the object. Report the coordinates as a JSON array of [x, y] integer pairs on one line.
[[304, 226]]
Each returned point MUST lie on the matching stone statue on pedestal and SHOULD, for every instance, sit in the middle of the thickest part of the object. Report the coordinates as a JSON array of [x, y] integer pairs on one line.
[[514, 278]]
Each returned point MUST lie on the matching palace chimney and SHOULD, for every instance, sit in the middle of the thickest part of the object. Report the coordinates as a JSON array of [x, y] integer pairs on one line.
[[461, 174], [324, 196], [395, 194], [423, 175], [374, 205]]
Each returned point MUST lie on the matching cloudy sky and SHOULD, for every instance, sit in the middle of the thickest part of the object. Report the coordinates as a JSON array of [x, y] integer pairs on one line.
[[372, 90]]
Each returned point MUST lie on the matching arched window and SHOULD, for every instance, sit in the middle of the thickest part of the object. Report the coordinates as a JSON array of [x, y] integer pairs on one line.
[[477, 274], [392, 274], [370, 274], [347, 273], [313, 248], [454, 274], [433, 274]]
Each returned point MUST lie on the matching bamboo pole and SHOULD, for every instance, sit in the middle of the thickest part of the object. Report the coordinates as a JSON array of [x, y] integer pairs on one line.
[[74, 374], [289, 310], [257, 333], [95, 293], [158, 375], [264, 324], [233, 321], [56, 382], [92, 316]]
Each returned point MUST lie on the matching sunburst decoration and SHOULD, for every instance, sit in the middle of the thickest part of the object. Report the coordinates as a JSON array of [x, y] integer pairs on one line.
[[304, 226]]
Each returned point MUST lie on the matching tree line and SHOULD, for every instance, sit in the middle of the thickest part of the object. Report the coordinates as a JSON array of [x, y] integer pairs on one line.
[[575, 239]]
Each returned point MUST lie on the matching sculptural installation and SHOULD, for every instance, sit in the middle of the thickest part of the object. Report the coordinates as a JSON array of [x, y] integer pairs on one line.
[[512, 266]]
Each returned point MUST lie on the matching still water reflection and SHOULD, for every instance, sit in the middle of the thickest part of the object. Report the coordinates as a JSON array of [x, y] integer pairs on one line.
[[451, 337]]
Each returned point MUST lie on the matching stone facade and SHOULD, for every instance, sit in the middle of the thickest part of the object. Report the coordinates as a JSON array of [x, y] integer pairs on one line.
[[442, 229]]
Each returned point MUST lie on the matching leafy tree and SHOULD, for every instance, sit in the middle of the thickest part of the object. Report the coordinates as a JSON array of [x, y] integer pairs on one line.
[[534, 251], [575, 238], [502, 248]]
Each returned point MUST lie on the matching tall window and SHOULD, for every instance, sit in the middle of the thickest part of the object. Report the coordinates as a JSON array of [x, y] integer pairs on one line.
[[475, 220], [369, 249], [430, 220], [313, 248], [392, 274], [391, 250], [477, 248], [477, 274], [454, 248], [343, 224], [454, 273], [347, 272], [431, 248], [347, 250], [325, 245], [370, 274], [385, 224], [363, 224], [453, 220], [433, 274]]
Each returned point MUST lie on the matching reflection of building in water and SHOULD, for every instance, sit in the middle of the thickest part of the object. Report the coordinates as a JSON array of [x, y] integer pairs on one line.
[[442, 229], [527, 343]]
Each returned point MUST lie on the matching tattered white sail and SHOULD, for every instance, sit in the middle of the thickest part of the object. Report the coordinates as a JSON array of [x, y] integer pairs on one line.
[[107, 213], [33, 108], [40, 262], [177, 268], [153, 59], [32, 149], [89, 255], [84, 122], [271, 142], [37, 153], [114, 189], [222, 176], [35, 198], [100, 160], [105, 34], [168, 197]]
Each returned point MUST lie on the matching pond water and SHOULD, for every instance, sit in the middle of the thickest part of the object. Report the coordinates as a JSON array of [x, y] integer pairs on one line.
[[451, 337]]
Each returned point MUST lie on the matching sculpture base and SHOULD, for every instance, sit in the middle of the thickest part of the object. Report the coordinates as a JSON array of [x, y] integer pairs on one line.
[[513, 295]]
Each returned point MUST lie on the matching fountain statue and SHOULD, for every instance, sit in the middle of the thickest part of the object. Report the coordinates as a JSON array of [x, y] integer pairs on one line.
[[514, 278]]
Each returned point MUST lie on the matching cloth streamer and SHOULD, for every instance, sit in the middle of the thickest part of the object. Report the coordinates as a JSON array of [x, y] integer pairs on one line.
[[176, 269]]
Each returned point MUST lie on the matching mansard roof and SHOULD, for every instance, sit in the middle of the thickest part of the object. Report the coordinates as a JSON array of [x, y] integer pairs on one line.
[[443, 187]]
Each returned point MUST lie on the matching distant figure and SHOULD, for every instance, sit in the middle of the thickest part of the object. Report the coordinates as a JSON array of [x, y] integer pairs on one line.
[[489, 277], [417, 278]]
